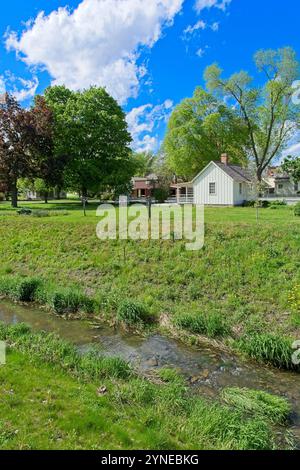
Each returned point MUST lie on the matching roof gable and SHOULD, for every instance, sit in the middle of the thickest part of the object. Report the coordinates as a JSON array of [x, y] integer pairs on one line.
[[235, 172]]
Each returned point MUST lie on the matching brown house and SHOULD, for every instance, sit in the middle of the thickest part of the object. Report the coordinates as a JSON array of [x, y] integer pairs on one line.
[[142, 188]]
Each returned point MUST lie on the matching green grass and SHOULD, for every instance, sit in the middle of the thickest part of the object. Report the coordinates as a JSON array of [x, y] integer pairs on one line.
[[269, 348], [244, 280], [258, 403], [50, 398]]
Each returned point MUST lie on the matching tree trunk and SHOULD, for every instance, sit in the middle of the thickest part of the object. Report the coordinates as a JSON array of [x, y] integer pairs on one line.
[[14, 194], [46, 195], [58, 191]]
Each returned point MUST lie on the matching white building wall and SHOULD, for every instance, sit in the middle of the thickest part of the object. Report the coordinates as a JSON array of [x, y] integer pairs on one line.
[[240, 193], [224, 187]]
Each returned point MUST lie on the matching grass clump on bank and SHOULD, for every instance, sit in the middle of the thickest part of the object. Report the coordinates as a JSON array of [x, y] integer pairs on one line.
[[212, 324], [270, 349], [132, 313], [62, 301], [258, 403], [19, 288], [55, 403]]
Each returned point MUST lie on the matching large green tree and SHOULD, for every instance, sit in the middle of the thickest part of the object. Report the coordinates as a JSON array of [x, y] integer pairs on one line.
[[200, 129], [292, 166], [268, 111], [91, 128]]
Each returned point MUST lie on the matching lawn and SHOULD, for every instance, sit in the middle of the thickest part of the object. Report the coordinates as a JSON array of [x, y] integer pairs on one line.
[[245, 280]]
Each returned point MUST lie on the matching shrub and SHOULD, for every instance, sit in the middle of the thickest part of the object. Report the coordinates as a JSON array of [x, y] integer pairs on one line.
[[211, 325], [297, 209], [24, 211], [259, 403], [20, 289], [70, 301], [269, 348], [278, 203], [131, 313]]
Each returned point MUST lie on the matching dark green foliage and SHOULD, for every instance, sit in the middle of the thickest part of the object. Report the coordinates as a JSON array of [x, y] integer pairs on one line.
[[297, 209], [132, 313], [24, 211], [212, 324], [19, 289], [269, 348]]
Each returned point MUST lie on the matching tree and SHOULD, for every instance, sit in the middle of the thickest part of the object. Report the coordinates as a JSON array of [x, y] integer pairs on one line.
[[17, 139], [291, 166], [200, 129], [144, 163], [51, 165], [268, 111], [91, 128]]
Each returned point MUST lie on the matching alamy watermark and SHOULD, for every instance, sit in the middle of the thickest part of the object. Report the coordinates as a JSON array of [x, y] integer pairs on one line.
[[156, 222], [2, 353]]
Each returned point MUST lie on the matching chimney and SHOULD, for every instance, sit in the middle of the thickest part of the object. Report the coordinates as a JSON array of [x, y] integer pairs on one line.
[[224, 158]]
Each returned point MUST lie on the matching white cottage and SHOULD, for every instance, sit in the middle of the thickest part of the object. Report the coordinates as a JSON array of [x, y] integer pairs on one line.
[[222, 184], [218, 184]]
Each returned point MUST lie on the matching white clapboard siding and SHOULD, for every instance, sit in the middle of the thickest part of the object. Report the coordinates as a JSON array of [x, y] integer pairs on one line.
[[240, 196], [224, 187]]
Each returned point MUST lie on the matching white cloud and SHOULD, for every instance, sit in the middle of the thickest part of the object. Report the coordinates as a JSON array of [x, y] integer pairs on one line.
[[215, 26], [2, 85], [20, 88], [294, 150], [191, 29], [202, 4], [144, 120], [96, 44], [200, 52]]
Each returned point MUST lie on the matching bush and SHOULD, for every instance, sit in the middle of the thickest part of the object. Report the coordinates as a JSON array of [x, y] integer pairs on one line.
[[24, 211], [297, 209], [131, 313], [269, 348], [70, 301], [211, 325], [259, 403], [279, 203], [19, 289]]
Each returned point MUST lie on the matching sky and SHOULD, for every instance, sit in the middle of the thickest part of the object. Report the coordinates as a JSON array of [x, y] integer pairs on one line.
[[149, 54]]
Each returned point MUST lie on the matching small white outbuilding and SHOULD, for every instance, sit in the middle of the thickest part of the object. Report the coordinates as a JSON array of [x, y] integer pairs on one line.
[[222, 184]]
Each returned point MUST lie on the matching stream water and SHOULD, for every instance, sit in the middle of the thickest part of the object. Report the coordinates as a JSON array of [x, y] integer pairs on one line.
[[206, 368]]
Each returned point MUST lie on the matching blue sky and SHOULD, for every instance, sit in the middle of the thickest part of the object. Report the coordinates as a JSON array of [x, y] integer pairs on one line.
[[150, 54]]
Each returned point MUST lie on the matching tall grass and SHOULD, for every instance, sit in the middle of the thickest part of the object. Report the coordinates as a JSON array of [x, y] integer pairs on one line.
[[52, 349], [258, 403], [211, 324], [270, 349]]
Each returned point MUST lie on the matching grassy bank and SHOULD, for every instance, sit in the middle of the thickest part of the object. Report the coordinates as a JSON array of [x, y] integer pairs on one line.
[[245, 281], [52, 398]]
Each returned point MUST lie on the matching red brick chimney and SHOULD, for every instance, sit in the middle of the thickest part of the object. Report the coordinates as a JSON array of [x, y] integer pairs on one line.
[[224, 158]]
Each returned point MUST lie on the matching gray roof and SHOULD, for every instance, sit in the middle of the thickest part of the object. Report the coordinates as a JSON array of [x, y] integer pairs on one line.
[[236, 172]]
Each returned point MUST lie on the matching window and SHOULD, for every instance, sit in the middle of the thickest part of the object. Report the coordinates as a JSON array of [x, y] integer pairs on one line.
[[212, 188], [241, 188], [280, 186]]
